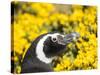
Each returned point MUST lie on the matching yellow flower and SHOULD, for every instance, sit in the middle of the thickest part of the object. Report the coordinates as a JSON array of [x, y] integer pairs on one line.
[[58, 68], [16, 59], [78, 63], [18, 69]]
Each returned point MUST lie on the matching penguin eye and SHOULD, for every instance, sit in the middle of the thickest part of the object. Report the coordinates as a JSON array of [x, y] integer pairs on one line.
[[54, 39]]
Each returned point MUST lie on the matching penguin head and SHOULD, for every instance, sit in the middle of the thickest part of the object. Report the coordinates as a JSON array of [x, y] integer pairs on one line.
[[54, 44]]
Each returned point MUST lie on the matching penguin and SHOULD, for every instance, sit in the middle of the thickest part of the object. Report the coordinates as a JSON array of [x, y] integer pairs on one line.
[[44, 49]]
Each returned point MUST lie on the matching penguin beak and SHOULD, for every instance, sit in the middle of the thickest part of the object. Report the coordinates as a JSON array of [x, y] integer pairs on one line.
[[69, 38]]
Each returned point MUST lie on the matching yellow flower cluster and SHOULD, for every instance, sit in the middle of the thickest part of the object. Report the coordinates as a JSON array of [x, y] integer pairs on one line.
[[34, 19], [87, 44]]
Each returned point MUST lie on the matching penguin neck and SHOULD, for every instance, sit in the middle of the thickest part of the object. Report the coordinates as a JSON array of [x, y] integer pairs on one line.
[[42, 57], [40, 53]]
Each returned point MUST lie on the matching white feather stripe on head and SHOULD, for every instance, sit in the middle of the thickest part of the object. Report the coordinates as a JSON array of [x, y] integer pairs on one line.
[[39, 49]]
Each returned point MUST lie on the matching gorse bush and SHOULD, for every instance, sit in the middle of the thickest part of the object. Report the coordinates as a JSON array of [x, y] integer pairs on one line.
[[33, 19]]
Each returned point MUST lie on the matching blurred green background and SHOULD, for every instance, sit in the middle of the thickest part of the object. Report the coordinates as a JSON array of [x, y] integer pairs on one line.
[[30, 19]]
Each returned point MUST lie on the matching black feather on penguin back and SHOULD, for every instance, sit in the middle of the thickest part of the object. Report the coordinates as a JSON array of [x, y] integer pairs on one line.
[[31, 52]]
